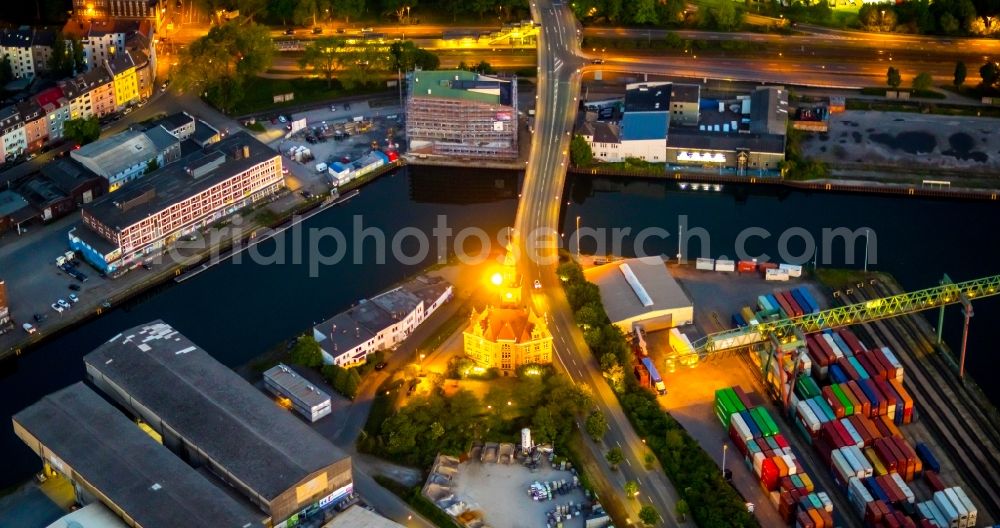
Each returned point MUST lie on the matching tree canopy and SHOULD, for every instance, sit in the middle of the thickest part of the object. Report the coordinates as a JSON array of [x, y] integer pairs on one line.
[[82, 131], [220, 63]]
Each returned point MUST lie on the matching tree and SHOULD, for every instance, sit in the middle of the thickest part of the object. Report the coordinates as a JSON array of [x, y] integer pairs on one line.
[[649, 516], [960, 73], [323, 55], [362, 64], [649, 460], [949, 24], [681, 509], [82, 131], [642, 12], [405, 56], [989, 72], [542, 426], [306, 352], [892, 77], [151, 166], [580, 153], [614, 456], [58, 62], [597, 425], [76, 60], [923, 82], [631, 489], [220, 63], [6, 71], [722, 17]]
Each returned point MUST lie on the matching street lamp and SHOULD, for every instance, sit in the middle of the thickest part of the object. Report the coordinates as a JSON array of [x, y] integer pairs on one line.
[[578, 237], [725, 447]]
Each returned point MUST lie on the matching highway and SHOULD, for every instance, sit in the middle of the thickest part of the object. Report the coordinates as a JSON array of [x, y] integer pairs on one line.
[[558, 89]]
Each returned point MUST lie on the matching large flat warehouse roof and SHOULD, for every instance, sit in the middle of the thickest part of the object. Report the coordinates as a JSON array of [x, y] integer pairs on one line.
[[86, 437], [637, 286], [212, 408]]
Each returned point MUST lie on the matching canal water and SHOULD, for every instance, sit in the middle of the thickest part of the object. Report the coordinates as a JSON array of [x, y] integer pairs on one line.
[[237, 311]]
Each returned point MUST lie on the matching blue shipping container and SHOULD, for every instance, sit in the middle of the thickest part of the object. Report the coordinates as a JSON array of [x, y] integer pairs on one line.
[[842, 344], [876, 490], [837, 374], [809, 299], [858, 367], [928, 458], [807, 308], [754, 430], [738, 321]]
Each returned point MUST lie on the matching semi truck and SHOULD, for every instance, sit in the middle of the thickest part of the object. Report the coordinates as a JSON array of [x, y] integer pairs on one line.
[[655, 381]]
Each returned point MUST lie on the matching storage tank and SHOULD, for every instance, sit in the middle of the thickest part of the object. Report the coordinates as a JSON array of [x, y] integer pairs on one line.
[[526, 439]]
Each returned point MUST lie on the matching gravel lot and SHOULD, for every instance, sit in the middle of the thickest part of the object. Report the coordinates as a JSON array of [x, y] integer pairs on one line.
[[860, 138], [500, 492]]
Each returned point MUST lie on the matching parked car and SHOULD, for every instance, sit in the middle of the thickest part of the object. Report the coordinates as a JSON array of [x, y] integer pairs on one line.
[[28, 328], [333, 108], [282, 119], [380, 365], [74, 287], [289, 31], [73, 298], [63, 303], [57, 308], [538, 284], [597, 61], [40, 317], [317, 30]]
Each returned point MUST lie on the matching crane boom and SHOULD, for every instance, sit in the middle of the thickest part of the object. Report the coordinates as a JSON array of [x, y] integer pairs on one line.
[[873, 310]]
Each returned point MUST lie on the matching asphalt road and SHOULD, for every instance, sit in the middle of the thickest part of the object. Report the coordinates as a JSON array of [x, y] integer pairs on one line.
[[558, 88]]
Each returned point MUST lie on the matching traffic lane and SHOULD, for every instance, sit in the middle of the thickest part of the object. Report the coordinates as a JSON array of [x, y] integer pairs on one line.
[[386, 502]]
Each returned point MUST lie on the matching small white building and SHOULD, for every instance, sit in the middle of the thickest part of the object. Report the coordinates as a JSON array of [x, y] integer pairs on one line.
[[380, 323], [306, 398], [641, 291], [603, 138]]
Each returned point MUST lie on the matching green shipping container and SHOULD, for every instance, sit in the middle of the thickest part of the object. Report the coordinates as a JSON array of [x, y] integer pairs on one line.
[[808, 387], [770, 421], [839, 393]]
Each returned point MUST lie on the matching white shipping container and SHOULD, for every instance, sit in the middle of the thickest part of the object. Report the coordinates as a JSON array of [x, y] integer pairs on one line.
[[841, 467], [963, 514], [825, 499], [705, 264], [725, 265], [852, 461], [863, 464], [758, 462], [894, 361], [948, 511], [742, 430], [937, 516], [859, 495], [904, 487], [775, 275], [790, 462], [792, 269], [853, 432], [808, 417], [969, 506], [833, 345]]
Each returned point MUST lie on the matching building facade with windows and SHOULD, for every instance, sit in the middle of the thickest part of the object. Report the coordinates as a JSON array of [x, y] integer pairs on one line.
[[126, 157], [126, 82], [13, 137], [36, 130], [506, 338], [57, 111], [15, 44], [151, 10], [122, 228]]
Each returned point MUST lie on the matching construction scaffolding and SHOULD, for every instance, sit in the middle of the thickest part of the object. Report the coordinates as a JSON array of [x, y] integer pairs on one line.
[[462, 114]]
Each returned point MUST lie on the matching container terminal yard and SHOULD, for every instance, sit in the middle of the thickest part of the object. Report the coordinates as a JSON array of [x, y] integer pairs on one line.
[[825, 423]]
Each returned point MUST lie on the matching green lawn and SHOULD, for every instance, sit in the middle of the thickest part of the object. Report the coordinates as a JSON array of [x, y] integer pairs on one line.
[[259, 94]]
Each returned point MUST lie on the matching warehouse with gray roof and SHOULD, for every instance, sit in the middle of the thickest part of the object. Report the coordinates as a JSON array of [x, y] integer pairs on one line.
[[213, 418], [111, 460]]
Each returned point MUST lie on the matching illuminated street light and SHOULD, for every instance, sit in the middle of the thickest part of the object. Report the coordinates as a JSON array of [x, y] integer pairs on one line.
[[497, 279]]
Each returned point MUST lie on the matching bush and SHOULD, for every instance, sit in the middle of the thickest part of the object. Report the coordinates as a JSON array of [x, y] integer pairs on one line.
[[344, 381], [421, 504], [306, 352]]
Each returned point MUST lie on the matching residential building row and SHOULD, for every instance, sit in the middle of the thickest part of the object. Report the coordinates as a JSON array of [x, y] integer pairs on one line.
[[65, 184], [123, 228], [175, 438], [380, 323], [120, 75], [663, 122], [462, 113]]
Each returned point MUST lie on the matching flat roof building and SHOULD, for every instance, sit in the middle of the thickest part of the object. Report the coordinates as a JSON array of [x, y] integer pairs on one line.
[[124, 157], [306, 398], [109, 459], [358, 517], [462, 113], [215, 419], [641, 291], [93, 515]]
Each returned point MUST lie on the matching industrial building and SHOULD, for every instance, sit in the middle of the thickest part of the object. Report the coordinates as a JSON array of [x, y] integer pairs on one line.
[[214, 419], [125, 157], [641, 291], [506, 338], [380, 323], [672, 123], [93, 515], [110, 460], [306, 398], [122, 228], [358, 517], [462, 113], [6, 324]]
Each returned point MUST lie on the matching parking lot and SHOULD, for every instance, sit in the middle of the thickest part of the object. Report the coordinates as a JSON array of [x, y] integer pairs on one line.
[[335, 133], [859, 138]]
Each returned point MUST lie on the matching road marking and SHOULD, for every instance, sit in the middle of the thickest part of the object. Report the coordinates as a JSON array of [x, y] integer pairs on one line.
[[629, 462]]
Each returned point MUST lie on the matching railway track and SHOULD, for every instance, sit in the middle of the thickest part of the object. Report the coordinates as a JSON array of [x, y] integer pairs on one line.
[[959, 431]]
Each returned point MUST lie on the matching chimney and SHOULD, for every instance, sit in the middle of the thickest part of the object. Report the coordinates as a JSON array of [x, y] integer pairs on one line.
[[357, 332]]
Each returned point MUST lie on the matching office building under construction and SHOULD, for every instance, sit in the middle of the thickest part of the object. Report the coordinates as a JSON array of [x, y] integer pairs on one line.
[[461, 113]]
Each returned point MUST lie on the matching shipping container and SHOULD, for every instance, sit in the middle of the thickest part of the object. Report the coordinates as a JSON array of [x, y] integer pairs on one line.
[[903, 486], [831, 345], [878, 468], [725, 265], [963, 514], [742, 396], [843, 399], [748, 315], [755, 431], [874, 396], [873, 367], [862, 373], [837, 374], [848, 368], [842, 344], [969, 506], [792, 269], [746, 266], [852, 340], [858, 495], [866, 437], [790, 301], [901, 391], [861, 397], [738, 321], [927, 457], [948, 511], [765, 304], [894, 361], [776, 275], [705, 264], [831, 399], [855, 436], [782, 304]]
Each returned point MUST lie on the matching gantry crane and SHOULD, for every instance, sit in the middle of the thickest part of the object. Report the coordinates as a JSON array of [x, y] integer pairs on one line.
[[905, 303]]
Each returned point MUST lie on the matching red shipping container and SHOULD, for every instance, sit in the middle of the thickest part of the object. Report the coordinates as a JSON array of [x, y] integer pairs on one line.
[[743, 397], [852, 340], [785, 308], [780, 440], [769, 475], [827, 518], [833, 401], [885, 455], [736, 438], [891, 370], [794, 306], [848, 368], [889, 487], [866, 437], [818, 353], [823, 446], [905, 521], [845, 437], [933, 480], [786, 506], [866, 404], [890, 396], [869, 426], [829, 433], [874, 367], [873, 514], [804, 521], [911, 458], [745, 266], [907, 399], [924, 523], [890, 522], [893, 430], [785, 484]]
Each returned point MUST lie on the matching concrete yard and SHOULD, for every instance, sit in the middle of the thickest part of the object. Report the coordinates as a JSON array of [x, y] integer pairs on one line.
[[500, 492], [859, 138]]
